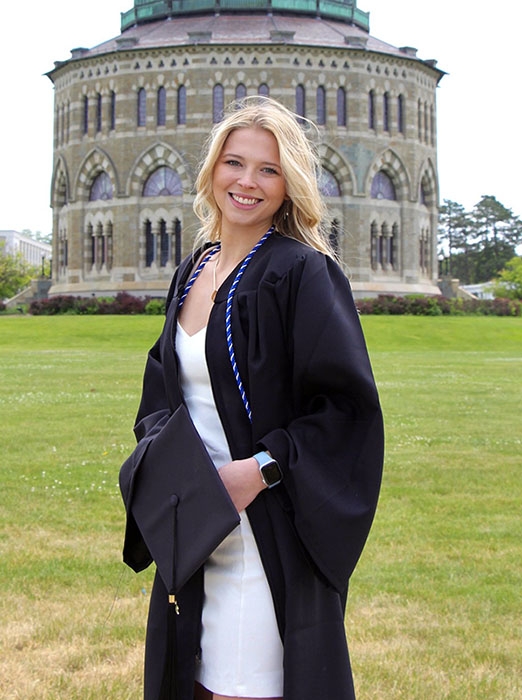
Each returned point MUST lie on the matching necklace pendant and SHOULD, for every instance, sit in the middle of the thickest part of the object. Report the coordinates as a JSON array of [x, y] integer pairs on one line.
[[213, 295]]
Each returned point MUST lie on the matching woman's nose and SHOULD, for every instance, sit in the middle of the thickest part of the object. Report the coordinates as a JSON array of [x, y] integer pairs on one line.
[[247, 180]]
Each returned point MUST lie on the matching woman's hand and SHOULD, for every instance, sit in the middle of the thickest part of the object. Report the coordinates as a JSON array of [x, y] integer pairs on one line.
[[242, 480]]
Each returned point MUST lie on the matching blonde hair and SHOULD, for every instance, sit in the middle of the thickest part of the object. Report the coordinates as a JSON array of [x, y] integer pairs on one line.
[[300, 215]]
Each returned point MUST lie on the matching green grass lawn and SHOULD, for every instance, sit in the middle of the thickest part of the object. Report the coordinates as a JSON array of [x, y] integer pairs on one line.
[[435, 603]]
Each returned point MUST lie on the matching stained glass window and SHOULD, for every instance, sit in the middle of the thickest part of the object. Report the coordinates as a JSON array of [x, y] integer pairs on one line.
[[98, 112], [101, 188], [218, 103], [383, 187], [341, 107], [113, 111], [142, 107], [371, 109], [182, 104], [161, 107], [163, 182], [386, 111], [400, 114], [300, 106], [321, 105], [328, 184]]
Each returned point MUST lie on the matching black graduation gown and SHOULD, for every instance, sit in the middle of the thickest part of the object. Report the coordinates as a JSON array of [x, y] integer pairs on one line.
[[304, 364]]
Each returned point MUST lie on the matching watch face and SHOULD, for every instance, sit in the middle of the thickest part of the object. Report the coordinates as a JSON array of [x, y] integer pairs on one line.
[[271, 473]]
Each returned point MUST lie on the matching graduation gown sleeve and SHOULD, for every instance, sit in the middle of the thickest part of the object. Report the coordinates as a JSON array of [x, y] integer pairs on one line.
[[331, 450]]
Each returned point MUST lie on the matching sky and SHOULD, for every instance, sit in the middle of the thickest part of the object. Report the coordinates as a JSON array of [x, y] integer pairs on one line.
[[475, 42]]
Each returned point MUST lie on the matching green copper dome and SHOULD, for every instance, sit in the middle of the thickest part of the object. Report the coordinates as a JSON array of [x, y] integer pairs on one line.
[[153, 10]]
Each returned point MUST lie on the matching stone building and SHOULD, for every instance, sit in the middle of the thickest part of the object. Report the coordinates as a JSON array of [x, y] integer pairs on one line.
[[131, 116]]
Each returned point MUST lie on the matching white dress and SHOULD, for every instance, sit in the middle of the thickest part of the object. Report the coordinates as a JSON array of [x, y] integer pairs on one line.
[[242, 653]]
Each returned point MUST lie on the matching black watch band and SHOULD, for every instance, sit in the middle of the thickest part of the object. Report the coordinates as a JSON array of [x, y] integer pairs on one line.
[[269, 469]]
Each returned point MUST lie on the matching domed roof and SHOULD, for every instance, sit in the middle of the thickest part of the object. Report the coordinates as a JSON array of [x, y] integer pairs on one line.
[[341, 10]]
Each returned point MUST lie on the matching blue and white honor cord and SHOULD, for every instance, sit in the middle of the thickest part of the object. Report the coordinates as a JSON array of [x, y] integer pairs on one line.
[[228, 309]]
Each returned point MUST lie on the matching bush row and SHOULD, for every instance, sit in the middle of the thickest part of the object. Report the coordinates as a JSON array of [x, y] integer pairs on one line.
[[122, 303], [418, 305], [384, 304]]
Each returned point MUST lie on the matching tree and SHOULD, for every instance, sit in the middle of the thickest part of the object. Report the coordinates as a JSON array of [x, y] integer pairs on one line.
[[508, 285], [38, 236], [477, 245], [454, 233], [15, 273]]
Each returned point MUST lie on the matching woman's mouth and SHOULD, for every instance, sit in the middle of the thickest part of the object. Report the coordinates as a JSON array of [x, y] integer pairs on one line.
[[244, 201]]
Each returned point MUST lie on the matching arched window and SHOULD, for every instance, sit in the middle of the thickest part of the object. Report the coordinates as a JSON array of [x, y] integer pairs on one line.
[[401, 124], [241, 91], [386, 111], [98, 112], [163, 182], [328, 184], [263, 89], [113, 111], [371, 110], [300, 101], [321, 105], [142, 107], [341, 107], [218, 103], [101, 188], [383, 187], [85, 116], [182, 104], [161, 107]]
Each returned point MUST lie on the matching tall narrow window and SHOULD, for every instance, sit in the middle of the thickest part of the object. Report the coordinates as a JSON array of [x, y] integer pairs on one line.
[[164, 243], [386, 111], [182, 104], [419, 119], [85, 116], [149, 244], [263, 89], [321, 105], [218, 103], [112, 119], [98, 112], [341, 107], [142, 107], [371, 109], [401, 124], [300, 101], [241, 91], [161, 107], [177, 242], [432, 125], [426, 123]]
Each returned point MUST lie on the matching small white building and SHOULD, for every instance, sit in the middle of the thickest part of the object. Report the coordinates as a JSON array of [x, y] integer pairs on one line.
[[484, 290], [33, 252]]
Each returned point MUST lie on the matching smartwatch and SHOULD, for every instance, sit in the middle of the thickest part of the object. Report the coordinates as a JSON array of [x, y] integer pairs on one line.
[[269, 469]]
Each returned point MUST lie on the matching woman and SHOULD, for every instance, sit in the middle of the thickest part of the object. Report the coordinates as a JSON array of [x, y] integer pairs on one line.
[[263, 344]]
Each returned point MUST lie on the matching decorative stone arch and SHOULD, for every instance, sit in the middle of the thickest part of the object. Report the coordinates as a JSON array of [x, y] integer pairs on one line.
[[427, 180], [333, 161], [60, 190], [96, 162], [390, 163], [158, 155]]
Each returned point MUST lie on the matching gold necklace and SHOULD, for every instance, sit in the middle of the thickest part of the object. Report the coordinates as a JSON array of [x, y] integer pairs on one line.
[[214, 292]]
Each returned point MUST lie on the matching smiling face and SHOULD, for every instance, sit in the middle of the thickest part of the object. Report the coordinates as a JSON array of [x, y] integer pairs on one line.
[[248, 183]]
